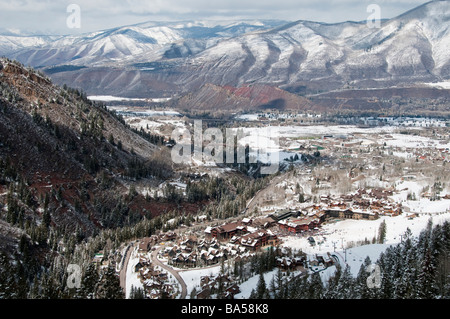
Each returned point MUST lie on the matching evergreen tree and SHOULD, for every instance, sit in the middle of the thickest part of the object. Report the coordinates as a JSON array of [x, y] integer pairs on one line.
[[332, 284], [261, 288], [193, 293], [7, 284], [407, 267], [316, 288], [278, 285], [301, 198], [426, 283], [346, 285], [110, 285], [362, 289], [382, 232], [89, 282], [137, 293], [21, 287], [440, 253]]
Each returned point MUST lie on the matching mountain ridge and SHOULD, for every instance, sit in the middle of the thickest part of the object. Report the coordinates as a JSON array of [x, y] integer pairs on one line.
[[301, 57]]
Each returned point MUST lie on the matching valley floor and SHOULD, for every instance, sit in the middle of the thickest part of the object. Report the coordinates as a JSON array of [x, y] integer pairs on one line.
[[408, 160], [346, 240]]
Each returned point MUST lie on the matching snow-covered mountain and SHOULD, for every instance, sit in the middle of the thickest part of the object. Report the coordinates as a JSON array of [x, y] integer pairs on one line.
[[163, 58], [411, 47], [144, 42]]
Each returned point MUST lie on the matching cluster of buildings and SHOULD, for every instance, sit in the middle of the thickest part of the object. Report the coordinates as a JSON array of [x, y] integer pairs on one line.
[[220, 284], [245, 234], [241, 239], [191, 252], [315, 262], [365, 204], [155, 282]]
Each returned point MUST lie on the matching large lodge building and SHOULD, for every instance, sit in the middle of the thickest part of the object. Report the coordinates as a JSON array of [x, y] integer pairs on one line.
[[362, 205], [244, 234]]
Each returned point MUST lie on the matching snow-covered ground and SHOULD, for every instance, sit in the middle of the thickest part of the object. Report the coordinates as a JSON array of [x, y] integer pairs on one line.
[[314, 130], [339, 235], [192, 277], [247, 286], [110, 98], [142, 112], [336, 237], [412, 141], [440, 85], [132, 279], [421, 205]]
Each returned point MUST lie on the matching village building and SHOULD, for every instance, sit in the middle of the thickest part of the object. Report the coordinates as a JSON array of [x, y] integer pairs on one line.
[[256, 240], [204, 294], [145, 244], [231, 291], [297, 226], [290, 263], [226, 231], [347, 213], [264, 222], [169, 236]]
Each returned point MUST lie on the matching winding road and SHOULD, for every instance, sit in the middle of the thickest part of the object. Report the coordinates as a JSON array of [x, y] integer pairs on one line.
[[154, 255], [123, 269], [157, 262]]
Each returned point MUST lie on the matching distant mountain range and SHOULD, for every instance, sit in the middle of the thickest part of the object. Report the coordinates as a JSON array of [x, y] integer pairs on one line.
[[140, 43], [303, 57]]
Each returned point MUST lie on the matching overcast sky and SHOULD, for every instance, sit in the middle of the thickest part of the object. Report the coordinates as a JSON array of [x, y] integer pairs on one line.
[[50, 16]]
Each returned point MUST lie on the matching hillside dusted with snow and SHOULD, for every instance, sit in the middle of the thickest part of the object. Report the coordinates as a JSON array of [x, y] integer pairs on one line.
[[407, 49], [54, 140], [146, 42], [162, 59]]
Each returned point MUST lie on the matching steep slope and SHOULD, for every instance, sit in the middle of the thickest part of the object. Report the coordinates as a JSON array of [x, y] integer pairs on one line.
[[55, 144], [405, 49]]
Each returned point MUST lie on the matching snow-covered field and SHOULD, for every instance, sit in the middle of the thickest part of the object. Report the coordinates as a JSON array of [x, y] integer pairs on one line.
[[110, 98], [142, 112], [314, 130], [192, 277], [440, 85], [340, 234], [411, 141], [247, 286]]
